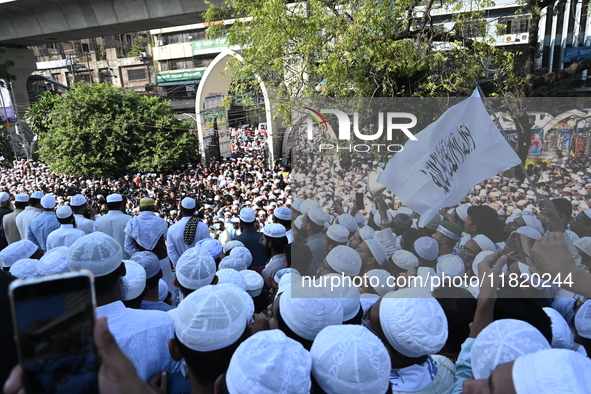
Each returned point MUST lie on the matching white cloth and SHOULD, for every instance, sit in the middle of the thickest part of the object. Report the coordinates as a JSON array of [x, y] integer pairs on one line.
[[86, 225], [113, 224], [25, 217], [142, 336], [175, 242], [146, 229], [63, 236], [289, 235], [276, 263], [438, 167]]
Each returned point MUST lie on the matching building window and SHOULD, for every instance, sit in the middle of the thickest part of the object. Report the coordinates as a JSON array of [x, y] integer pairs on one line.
[[515, 25], [137, 74]]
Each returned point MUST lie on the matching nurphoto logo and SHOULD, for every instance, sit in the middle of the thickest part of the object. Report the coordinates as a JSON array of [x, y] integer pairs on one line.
[[388, 121]]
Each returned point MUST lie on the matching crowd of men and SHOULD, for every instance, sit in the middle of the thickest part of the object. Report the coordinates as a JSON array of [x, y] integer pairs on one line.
[[234, 278]]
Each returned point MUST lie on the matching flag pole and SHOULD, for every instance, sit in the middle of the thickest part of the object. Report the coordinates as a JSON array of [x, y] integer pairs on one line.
[[487, 103]]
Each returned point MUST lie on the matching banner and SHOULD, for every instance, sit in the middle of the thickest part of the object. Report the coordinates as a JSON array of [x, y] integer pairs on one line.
[[451, 155], [7, 116]]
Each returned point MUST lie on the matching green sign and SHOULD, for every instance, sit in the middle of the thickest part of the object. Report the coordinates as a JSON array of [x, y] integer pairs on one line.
[[179, 76], [208, 44]]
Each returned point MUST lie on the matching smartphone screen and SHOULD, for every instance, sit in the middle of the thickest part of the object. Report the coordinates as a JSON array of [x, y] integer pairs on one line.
[[54, 323], [518, 247], [359, 201]]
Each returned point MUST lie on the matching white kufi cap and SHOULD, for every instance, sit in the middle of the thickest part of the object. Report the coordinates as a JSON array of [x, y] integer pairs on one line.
[[378, 251], [338, 233], [427, 248], [405, 259], [132, 285], [149, 261], [254, 282], [18, 250], [227, 275], [243, 253], [195, 268], [344, 259], [25, 269], [54, 261], [349, 359], [96, 252], [232, 262]]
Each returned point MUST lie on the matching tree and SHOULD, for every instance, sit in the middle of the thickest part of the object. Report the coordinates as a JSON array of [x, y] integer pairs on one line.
[[101, 130], [383, 48]]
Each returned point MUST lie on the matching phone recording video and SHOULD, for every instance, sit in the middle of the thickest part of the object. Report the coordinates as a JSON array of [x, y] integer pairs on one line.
[[54, 323], [519, 247]]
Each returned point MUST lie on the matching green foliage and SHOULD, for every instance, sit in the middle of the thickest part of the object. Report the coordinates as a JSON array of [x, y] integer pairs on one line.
[[101, 130], [138, 46], [38, 116], [357, 48], [4, 66], [5, 149]]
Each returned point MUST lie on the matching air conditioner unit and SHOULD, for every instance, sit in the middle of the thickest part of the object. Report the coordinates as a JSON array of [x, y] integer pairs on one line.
[[144, 54], [510, 38], [525, 37]]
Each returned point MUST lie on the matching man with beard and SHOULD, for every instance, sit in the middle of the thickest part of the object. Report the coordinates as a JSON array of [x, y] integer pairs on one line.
[[273, 241]]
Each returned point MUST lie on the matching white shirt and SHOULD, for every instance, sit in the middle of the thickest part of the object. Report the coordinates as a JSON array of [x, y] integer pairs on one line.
[[25, 217], [113, 224], [86, 225], [146, 229], [276, 263], [63, 236], [142, 336], [175, 243]]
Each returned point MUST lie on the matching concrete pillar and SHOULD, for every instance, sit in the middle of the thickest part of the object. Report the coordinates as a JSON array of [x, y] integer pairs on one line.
[[24, 65]]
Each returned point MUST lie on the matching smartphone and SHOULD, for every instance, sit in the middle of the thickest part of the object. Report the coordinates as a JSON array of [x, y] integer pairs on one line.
[[54, 322], [518, 247], [359, 201]]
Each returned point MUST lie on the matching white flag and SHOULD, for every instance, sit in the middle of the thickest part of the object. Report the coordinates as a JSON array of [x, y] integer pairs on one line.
[[451, 155]]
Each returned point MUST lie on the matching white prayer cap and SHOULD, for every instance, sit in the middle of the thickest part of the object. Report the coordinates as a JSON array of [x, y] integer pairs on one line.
[[405, 259], [4, 196], [245, 297], [503, 341], [274, 230], [247, 215], [484, 243], [318, 216], [413, 322], [188, 203], [149, 261], [21, 197], [162, 290], [232, 262], [285, 281], [114, 198], [254, 282], [54, 261], [48, 201], [385, 282], [282, 213], [282, 366], [584, 244], [529, 231], [307, 311], [387, 239], [282, 272], [96, 252], [306, 205], [534, 223], [377, 218], [462, 211], [347, 294], [572, 235], [552, 371], [132, 285], [344, 259], [213, 246], [405, 210], [501, 212], [77, 200], [378, 251], [25, 269], [63, 211], [298, 222], [479, 257], [366, 232], [195, 268], [227, 275], [243, 253], [562, 336], [18, 250], [210, 318], [338, 233], [450, 265], [427, 248], [349, 359], [296, 204], [231, 245], [38, 195], [583, 320], [349, 222]]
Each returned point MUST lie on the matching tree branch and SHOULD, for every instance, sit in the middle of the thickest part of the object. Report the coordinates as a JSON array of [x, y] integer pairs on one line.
[[552, 77]]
